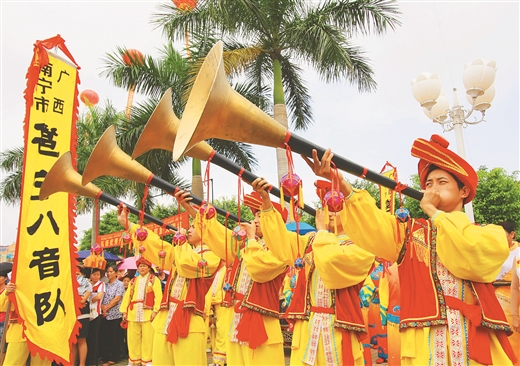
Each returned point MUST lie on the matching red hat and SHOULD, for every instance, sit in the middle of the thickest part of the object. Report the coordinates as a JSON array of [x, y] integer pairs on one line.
[[436, 152], [322, 187], [142, 260], [254, 202]]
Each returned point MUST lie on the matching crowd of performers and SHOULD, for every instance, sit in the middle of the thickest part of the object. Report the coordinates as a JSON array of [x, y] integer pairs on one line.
[[421, 291]]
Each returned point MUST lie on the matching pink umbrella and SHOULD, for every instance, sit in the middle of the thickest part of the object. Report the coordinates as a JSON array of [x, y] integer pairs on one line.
[[128, 263]]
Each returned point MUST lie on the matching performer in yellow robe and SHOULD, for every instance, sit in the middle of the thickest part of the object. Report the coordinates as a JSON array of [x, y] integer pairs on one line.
[[218, 324], [179, 326], [139, 307], [253, 281], [326, 329], [389, 293], [17, 350], [449, 313]]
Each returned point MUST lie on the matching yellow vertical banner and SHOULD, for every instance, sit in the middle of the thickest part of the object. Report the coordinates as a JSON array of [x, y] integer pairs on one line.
[[387, 196], [46, 298]]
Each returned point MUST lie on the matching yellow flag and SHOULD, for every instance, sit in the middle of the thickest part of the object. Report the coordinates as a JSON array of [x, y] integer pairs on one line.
[[46, 296]]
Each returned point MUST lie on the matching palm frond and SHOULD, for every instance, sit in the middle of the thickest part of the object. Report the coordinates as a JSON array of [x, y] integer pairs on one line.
[[362, 16], [10, 188], [298, 97], [11, 159], [238, 152]]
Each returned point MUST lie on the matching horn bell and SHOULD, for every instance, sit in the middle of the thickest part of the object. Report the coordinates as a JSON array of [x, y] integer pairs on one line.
[[161, 129], [215, 110], [62, 177], [107, 158]]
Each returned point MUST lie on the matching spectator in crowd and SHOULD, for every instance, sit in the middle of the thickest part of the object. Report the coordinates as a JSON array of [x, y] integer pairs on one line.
[[98, 290], [111, 332]]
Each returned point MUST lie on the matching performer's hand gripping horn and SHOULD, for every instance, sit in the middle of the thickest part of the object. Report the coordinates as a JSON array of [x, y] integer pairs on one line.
[[215, 110], [107, 158], [160, 132], [63, 178]]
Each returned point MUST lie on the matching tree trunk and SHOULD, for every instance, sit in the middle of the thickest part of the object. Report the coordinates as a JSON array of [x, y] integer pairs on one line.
[[95, 225], [196, 179], [280, 115]]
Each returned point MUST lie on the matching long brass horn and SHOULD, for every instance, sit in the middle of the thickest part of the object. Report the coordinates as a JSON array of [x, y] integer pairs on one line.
[[63, 178], [215, 110], [161, 129], [160, 133], [107, 158]]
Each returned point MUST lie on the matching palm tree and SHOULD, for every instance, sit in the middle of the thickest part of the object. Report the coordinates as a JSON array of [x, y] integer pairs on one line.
[[269, 38], [153, 78], [11, 162]]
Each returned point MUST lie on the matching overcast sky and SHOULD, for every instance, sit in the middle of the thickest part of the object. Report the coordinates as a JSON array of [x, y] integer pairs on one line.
[[368, 129]]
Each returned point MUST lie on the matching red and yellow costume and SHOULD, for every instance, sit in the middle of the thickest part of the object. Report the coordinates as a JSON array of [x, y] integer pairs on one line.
[[389, 294], [449, 311], [253, 281], [17, 351], [328, 323], [219, 324], [141, 299], [180, 329]]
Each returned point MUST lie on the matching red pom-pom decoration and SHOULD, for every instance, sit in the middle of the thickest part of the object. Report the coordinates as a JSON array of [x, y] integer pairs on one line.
[[333, 200], [141, 249], [127, 238], [162, 254], [239, 234], [202, 264], [208, 211], [141, 234], [97, 249], [178, 238], [290, 184]]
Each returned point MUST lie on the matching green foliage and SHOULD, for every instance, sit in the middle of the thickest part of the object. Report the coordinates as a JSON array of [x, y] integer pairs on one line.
[[498, 197], [230, 204], [411, 204]]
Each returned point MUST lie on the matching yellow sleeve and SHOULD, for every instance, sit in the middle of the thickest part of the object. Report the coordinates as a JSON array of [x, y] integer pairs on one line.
[[470, 252], [153, 244], [126, 299], [157, 291], [370, 228], [4, 299], [284, 244], [260, 262], [340, 266], [188, 260], [213, 234]]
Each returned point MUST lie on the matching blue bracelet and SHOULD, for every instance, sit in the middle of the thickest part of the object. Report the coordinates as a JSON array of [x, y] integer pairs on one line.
[[435, 214]]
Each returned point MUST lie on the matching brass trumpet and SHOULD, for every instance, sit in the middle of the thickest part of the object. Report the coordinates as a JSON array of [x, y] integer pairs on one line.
[[160, 133], [215, 110], [63, 178], [107, 158]]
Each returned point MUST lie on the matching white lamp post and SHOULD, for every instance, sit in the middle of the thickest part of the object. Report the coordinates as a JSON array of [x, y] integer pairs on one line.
[[478, 80]]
